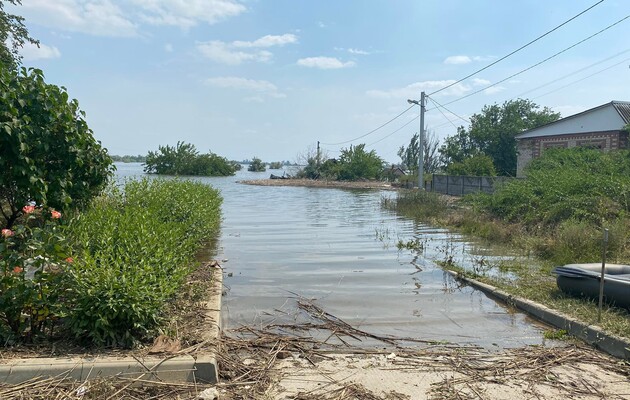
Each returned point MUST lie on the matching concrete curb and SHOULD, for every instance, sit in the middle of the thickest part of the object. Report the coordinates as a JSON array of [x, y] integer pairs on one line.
[[591, 334], [186, 368]]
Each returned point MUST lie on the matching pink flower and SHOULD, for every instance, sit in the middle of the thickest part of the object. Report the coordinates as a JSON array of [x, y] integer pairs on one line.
[[69, 260], [28, 209], [7, 232], [55, 214], [17, 270]]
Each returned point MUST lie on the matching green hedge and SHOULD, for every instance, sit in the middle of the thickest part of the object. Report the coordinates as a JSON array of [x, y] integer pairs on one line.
[[134, 249]]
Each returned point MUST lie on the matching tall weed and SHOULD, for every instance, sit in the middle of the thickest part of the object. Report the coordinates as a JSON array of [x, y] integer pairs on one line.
[[134, 249]]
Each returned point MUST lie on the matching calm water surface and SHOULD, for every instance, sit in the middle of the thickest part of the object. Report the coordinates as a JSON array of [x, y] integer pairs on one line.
[[339, 247]]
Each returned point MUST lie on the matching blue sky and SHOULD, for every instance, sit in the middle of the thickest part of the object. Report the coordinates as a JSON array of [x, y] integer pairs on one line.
[[269, 78]]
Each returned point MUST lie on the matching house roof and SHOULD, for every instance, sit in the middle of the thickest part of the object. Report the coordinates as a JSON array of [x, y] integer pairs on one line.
[[623, 108], [607, 117]]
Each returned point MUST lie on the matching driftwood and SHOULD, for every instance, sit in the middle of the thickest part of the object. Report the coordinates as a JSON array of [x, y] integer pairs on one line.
[[250, 365]]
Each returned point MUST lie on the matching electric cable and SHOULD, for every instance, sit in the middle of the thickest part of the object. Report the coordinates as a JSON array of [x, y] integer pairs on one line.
[[540, 62], [370, 132], [573, 73], [385, 137], [517, 50], [581, 79], [444, 115], [440, 106]]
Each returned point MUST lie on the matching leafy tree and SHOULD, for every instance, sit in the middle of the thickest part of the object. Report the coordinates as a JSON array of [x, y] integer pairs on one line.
[[48, 153], [312, 160], [184, 159], [13, 36], [478, 165], [457, 148], [257, 165], [430, 159], [356, 163], [492, 133], [275, 165]]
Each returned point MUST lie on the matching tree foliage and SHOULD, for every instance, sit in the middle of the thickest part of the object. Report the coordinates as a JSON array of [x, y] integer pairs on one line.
[[257, 165], [492, 133], [184, 159], [477, 165], [48, 153], [430, 157], [356, 163], [13, 36]]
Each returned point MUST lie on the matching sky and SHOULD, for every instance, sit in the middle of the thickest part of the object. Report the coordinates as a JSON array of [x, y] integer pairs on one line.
[[271, 78]]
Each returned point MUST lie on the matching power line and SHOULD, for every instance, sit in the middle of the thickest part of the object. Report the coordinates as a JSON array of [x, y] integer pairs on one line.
[[517, 50], [586, 77], [385, 137], [441, 112], [540, 62], [440, 106], [573, 73], [372, 131]]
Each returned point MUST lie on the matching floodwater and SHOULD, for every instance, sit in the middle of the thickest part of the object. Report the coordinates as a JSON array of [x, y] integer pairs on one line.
[[339, 247]]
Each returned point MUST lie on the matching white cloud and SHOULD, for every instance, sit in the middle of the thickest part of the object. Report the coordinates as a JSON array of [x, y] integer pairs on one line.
[[461, 59], [480, 82], [97, 17], [188, 13], [413, 90], [168, 48], [31, 52], [254, 99], [232, 53], [358, 51], [321, 24], [222, 52], [268, 41], [123, 18], [233, 82], [324, 63], [457, 60], [241, 83], [494, 89]]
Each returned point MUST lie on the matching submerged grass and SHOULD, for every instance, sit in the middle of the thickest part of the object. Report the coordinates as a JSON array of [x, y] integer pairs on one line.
[[545, 247]]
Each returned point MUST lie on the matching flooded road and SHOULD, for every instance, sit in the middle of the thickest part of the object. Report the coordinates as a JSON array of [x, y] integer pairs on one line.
[[339, 247]]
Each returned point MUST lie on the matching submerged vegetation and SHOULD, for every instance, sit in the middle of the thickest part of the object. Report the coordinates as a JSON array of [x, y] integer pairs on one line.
[[184, 159], [354, 163], [556, 214]]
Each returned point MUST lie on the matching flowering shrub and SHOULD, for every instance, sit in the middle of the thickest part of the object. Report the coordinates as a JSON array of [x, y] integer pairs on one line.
[[32, 277]]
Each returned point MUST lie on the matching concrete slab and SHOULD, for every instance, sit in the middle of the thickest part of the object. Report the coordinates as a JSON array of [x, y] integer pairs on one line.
[[185, 368], [592, 334]]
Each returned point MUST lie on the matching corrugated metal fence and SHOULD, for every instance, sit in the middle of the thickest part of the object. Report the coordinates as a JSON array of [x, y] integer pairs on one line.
[[456, 185]]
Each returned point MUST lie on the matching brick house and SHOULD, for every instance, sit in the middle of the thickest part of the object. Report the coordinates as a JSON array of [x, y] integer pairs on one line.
[[599, 127]]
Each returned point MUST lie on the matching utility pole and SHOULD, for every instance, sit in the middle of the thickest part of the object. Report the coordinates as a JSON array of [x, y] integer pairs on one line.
[[318, 153], [420, 140]]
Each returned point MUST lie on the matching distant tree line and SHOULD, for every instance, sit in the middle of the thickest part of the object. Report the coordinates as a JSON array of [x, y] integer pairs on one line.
[[128, 159]]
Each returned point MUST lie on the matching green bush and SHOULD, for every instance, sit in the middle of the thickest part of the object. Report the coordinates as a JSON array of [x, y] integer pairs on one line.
[[566, 184], [257, 165], [356, 163], [134, 248], [184, 159]]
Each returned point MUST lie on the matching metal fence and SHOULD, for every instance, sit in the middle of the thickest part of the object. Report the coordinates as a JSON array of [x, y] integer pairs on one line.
[[456, 185]]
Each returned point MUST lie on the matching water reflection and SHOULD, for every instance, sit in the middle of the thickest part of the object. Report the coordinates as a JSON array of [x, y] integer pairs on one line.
[[339, 247]]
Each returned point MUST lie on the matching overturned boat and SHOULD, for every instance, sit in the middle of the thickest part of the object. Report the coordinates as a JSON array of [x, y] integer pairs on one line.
[[583, 280]]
